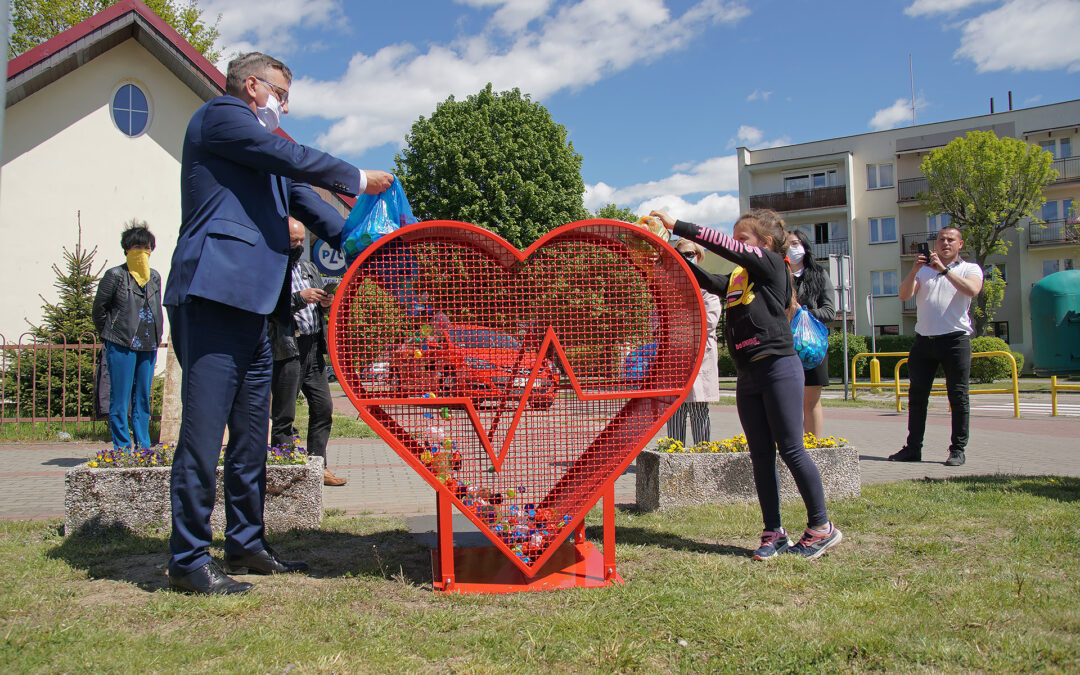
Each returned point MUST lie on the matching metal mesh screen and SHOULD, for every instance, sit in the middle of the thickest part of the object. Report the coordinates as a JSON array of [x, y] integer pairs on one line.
[[521, 383]]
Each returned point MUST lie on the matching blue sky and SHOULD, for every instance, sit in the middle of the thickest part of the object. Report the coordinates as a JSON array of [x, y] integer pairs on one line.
[[657, 94]]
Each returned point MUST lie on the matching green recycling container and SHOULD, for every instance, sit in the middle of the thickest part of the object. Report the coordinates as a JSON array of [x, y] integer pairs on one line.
[[1055, 324]]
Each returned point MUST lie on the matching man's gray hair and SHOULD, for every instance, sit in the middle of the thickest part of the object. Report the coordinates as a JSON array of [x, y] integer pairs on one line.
[[252, 63]]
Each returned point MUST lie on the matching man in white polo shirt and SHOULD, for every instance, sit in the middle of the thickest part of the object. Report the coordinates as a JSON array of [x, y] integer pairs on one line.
[[943, 286]]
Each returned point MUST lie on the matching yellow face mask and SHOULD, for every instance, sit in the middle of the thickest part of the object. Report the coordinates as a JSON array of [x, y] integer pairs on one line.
[[138, 263]]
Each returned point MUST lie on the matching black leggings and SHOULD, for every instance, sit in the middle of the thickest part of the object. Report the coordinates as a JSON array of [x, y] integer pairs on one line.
[[769, 398]]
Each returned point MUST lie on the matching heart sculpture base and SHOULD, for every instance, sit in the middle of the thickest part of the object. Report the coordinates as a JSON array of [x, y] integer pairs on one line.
[[486, 570]]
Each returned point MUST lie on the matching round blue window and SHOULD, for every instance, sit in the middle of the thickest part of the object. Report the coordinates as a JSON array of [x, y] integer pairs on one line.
[[131, 110]]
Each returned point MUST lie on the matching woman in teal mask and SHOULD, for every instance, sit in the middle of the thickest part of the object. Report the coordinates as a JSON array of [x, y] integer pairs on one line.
[[127, 316]]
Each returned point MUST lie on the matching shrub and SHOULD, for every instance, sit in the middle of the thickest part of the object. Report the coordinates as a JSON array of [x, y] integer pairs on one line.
[[856, 345], [725, 365], [893, 343], [992, 368]]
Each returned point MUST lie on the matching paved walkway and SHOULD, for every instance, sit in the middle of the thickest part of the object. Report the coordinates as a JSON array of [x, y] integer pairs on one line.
[[32, 474]]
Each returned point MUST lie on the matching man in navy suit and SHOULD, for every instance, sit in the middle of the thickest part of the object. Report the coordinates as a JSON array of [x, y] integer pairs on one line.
[[239, 183]]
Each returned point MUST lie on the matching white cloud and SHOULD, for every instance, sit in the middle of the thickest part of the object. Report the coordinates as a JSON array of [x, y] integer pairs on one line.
[[758, 94], [925, 7], [380, 95], [267, 25], [748, 135], [512, 15], [713, 209], [719, 174], [896, 115], [1033, 100], [754, 138], [1013, 37]]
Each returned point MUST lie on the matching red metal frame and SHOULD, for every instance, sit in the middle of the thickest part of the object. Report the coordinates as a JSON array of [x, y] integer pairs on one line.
[[574, 451]]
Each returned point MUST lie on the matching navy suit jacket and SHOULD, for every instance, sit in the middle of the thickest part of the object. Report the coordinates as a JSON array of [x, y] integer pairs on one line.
[[239, 182]]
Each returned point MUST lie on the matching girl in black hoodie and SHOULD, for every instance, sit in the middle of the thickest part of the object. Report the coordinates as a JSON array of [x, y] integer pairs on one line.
[[769, 394]]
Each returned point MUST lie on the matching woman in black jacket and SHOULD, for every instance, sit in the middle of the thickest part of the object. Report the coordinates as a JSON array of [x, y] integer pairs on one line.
[[127, 316], [814, 291]]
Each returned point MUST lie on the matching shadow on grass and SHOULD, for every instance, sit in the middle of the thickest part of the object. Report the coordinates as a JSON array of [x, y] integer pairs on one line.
[[118, 554], [640, 536], [1056, 488]]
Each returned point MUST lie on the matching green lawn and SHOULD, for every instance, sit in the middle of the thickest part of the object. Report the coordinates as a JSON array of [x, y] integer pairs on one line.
[[964, 575]]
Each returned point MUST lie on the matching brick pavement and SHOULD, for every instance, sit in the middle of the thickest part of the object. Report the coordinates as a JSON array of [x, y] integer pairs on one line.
[[32, 474]]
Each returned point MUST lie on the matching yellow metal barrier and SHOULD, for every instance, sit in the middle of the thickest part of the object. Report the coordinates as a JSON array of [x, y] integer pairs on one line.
[[874, 383], [939, 389], [1054, 388]]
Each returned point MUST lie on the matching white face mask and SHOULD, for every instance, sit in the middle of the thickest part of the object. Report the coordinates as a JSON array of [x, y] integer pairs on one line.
[[795, 254], [270, 114]]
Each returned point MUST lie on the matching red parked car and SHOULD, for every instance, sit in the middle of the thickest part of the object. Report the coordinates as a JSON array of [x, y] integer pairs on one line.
[[471, 361]]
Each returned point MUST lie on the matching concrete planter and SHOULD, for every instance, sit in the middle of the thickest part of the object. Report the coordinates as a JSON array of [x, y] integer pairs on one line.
[[138, 499], [682, 479]]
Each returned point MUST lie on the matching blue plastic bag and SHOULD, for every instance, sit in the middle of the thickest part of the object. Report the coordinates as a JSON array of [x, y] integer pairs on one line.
[[375, 216], [811, 338]]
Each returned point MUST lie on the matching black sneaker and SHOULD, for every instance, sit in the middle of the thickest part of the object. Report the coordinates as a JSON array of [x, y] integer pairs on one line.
[[956, 458], [906, 454], [772, 543]]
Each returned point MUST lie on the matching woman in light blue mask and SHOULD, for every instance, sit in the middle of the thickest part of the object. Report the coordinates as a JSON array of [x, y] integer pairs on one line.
[[814, 291]]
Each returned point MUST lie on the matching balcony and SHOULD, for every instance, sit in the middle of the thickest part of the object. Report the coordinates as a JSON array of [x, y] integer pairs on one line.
[[835, 246], [1068, 169], [911, 241], [1054, 232], [801, 200], [907, 190], [908, 306]]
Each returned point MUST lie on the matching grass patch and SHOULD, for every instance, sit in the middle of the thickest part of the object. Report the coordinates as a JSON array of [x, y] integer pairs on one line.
[[345, 426], [968, 574]]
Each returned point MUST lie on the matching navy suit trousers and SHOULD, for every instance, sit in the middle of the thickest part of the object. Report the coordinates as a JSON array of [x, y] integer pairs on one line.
[[226, 361]]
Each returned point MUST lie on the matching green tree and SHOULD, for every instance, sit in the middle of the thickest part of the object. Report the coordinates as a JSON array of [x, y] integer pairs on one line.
[[615, 212], [987, 185], [48, 381], [36, 21], [497, 160]]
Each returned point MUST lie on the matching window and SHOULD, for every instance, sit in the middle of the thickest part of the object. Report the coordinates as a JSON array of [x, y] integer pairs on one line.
[[937, 221], [998, 329], [1053, 266], [1060, 148], [130, 109], [882, 230], [884, 282], [1055, 210], [1000, 267], [879, 176], [888, 329], [821, 233], [810, 180]]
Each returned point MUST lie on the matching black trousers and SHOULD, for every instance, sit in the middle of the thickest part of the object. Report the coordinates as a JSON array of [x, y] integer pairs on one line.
[[306, 373], [953, 353]]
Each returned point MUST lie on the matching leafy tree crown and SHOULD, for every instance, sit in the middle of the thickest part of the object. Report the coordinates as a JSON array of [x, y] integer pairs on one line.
[[497, 160], [36, 21]]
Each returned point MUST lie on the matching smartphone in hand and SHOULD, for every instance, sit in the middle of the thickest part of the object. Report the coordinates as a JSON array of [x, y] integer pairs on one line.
[[924, 250], [330, 288]]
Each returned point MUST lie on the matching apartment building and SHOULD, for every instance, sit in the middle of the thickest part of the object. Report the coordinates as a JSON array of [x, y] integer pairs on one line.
[[856, 195]]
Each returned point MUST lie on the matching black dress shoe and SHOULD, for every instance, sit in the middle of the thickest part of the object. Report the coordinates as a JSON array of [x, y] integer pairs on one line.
[[265, 561], [208, 580], [906, 454]]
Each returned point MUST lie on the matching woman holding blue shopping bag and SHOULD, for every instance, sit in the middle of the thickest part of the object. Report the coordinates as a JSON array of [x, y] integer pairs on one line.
[[814, 292]]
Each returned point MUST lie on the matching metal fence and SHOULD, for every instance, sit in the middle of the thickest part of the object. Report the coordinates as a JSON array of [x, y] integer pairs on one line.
[[48, 381]]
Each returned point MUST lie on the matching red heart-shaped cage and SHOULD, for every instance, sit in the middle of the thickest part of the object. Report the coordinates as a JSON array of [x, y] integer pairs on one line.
[[520, 383]]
